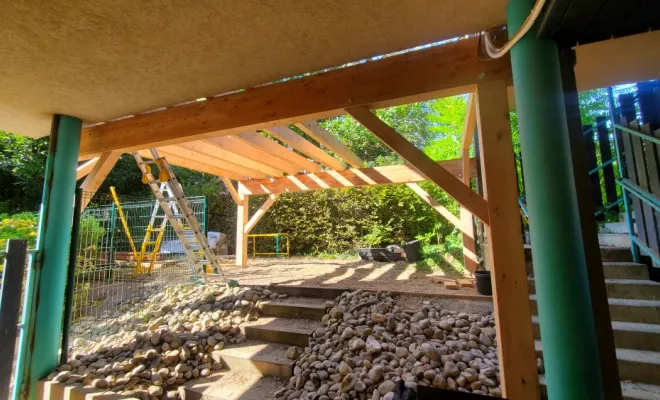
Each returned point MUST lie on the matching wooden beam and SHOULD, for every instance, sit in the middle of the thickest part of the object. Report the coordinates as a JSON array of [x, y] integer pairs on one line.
[[434, 172], [215, 150], [97, 175], [291, 138], [195, 165], [241, 148], [186, 152], [348, 178], [257, 141], [424, 195], [470, 259], [241, 221], [470, 123], [232, 190], [329, 141], [438, 71], [260, 213], [85, 168], [515, 342]]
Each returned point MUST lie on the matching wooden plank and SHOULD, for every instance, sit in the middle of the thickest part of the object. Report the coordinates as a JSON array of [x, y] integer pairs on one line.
[[195, 165], [349, 178], [241, 220], [232, 190], [638, 210], [255, 140], [643, 183], [505, 254], [98, 174], [215, 150], [470, 123], [10, 307], [439, 71], [241, 148], [653, 182], [291, 138], [85, 168], [424, 195], [434, 172], [470, 259], [329, 141], [260, 213], [605, 147], [594, 179], [186, 152]]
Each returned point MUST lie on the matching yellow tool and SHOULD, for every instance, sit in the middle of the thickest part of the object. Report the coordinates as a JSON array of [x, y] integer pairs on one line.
[[124, 222]]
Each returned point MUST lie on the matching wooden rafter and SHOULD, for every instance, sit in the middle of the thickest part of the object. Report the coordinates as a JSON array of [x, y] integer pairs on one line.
[[504, 254], [470, 123], [97, 175], [193, 164], [242, 214], [438, 71], [348, 178], [241, 148], [328, 140], [232, 190], [213, 161], [424, 195], [470, 259], [260, 213], [434, 172], [291, 138], [255, 140], [85, 168], [215, 150]]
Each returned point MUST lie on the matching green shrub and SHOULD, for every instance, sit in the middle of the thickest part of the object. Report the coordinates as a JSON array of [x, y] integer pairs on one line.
[[19, 226]]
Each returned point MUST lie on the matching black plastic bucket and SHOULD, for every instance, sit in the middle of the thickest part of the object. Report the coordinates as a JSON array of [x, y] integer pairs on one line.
[[484, 286], [413, 250]]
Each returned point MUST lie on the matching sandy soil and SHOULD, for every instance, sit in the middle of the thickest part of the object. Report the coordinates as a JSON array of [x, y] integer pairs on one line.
[[350, 274]]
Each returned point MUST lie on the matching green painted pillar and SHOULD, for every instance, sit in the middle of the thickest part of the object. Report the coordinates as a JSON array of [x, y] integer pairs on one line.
[[55, 221], [562, 287]]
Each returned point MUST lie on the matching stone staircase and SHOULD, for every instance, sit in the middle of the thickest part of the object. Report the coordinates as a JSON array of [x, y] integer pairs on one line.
[[634, 303]]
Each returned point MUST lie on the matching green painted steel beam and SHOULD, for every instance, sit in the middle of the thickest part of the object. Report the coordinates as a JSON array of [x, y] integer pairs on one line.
[[560, 271], [41, 353]]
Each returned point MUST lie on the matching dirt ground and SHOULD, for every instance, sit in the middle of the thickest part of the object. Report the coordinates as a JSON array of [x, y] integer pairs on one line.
[[350, 274]]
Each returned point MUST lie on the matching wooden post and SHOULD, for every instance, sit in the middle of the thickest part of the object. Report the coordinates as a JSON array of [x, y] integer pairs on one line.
[[469, 243], [505, 251], [241, 221]]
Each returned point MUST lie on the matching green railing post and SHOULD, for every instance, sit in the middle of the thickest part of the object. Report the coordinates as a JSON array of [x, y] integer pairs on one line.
[[40, 356], [560, 272]]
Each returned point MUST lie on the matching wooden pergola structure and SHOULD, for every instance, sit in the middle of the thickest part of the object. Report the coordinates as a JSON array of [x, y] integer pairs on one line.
[[130, 75]]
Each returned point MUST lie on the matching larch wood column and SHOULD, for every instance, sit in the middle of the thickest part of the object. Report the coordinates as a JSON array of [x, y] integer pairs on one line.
[[241, 222]]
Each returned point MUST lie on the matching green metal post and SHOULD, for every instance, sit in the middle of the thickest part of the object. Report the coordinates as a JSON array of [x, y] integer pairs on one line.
[[44, 337], [560, 272]]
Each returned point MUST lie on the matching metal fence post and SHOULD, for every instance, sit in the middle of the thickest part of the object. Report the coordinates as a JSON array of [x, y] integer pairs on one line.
[[10, 304]]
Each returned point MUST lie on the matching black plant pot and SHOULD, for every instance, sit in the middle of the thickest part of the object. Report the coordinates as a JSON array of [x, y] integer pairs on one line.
[[484, 286]]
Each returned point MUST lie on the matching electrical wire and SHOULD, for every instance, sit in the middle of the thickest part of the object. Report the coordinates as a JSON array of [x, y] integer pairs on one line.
[[495, 52]]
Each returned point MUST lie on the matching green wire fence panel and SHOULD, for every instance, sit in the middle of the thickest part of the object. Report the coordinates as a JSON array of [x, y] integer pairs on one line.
[[279, 238], [107, 282]]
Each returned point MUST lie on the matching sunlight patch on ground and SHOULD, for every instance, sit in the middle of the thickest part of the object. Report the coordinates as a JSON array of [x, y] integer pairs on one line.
[[405, 274], [336, 279], [378, 272]]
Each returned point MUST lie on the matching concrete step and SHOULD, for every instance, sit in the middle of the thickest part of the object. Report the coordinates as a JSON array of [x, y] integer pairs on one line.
[[634, 365], [606, 253], [627, 335], [231, 385], [614, 240], [309, 291], [615, 227], [624, 289], [625, 310], [257, 357], [630, 390], [313, 309], [291, 331], [615, 270]]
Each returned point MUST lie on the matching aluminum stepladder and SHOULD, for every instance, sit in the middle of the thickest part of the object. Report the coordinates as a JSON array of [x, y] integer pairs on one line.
[[160, 231], [178, 212]]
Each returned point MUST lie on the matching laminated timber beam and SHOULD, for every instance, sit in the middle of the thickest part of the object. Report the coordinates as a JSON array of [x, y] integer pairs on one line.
[[440, 71], [192, 164], [348, 178], [434, 172], [214, 150], [238, 147], [327, 139], [255, 140], [232, 190], [291, 138], [187, 153], [85, 168], [97, 175], [424, 195]]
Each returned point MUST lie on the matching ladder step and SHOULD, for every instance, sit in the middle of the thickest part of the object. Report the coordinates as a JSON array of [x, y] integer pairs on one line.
[[168, 199]]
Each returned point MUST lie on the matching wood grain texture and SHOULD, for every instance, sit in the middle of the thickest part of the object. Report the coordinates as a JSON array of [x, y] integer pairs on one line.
[[241, 220], [470, 123], [329, 141], [505, 254], [294, 140], [186, 150], [181, 161], [232, 190], [240, 148], [85, 168], [273, 148], [213, 149], [439, 71], [387, 175], [256, 217], [434, 172], [97, 175], [424, 195]]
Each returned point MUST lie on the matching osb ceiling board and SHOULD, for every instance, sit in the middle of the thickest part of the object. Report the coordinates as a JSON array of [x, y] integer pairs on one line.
[[99, 60]]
